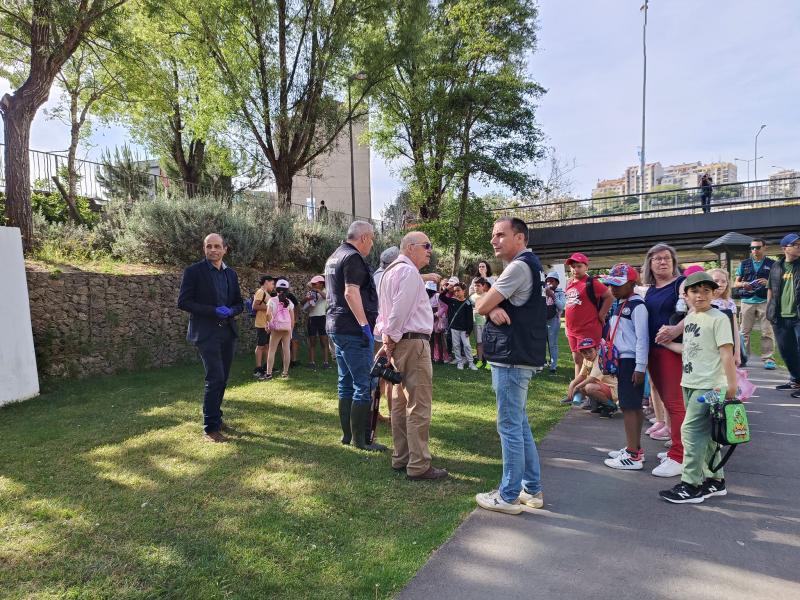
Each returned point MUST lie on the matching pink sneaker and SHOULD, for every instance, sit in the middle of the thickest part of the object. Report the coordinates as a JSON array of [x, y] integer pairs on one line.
[[654, 426], [661, 434]]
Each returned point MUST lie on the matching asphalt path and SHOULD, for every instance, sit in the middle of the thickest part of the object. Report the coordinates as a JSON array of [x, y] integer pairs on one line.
[[605, 534]]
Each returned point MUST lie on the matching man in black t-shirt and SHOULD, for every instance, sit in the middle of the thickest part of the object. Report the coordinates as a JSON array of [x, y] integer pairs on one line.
[[352, 311]]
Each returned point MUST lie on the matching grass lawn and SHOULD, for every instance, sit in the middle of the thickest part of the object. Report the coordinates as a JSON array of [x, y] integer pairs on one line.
[[108, 491]]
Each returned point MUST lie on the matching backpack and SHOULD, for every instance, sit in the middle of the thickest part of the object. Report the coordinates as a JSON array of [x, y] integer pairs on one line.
[[248, 306], [729, 427], [596, 302], [281, 317], [608, 355]]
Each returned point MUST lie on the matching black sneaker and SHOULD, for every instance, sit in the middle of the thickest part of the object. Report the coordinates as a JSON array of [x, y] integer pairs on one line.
[[258, 373], [713, 487], [608, 410], [683, 493], [787, 386]]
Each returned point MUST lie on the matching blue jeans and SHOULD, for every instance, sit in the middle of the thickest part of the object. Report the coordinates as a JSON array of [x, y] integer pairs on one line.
[[353, 360], [216, 352], [787, 334], [520, 458], [553, 327]]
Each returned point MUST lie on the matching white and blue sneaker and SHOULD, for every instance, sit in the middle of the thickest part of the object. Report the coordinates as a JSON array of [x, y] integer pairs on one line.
[[494, 501]]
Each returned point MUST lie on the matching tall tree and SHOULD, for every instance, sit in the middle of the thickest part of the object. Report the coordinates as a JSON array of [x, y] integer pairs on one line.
[[284, 64], [86, 80], [498, 136], [39, 36]]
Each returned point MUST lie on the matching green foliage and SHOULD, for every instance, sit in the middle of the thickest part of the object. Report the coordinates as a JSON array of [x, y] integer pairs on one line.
[[478, 222], [124, 176], [53, 208], [63, 241]]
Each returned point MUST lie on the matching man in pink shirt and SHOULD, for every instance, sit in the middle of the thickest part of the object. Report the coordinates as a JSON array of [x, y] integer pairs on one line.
[[405, 323]]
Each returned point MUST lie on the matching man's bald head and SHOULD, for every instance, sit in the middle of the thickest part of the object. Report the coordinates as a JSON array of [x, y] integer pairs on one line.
[[214, 247], [417, 247], [409, 239]]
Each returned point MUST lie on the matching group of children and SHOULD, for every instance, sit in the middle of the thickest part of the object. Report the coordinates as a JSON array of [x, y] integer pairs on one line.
[[455, 318], [612, 374], [274, 306]]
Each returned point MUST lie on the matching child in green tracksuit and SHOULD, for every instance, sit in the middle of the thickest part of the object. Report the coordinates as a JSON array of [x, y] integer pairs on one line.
[[707, 365]]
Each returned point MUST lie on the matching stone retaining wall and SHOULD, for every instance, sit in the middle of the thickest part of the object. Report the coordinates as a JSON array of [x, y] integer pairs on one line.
[[87, 323]]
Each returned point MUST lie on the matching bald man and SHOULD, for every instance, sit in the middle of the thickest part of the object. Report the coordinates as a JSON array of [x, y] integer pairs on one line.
[[210, 294], [405, 323]]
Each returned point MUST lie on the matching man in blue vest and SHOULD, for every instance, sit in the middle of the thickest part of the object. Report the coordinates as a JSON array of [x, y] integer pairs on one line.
[[350, 321], [752, 276], [514, 341], [210, 294]]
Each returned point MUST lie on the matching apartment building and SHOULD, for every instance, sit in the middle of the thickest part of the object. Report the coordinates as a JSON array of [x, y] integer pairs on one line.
[[609, 187], [785, 183]]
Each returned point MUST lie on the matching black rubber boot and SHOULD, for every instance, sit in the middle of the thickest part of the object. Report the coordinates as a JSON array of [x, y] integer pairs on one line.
[[359, 419], [344, 419]]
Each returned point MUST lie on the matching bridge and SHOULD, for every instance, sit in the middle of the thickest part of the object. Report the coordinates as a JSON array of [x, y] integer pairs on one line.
[[615, 228]]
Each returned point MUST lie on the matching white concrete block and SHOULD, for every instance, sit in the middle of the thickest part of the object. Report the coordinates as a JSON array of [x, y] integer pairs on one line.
[[19, 379]]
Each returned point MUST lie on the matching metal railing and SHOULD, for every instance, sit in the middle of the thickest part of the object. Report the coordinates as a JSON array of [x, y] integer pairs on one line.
[[46, 167], [763, 193]]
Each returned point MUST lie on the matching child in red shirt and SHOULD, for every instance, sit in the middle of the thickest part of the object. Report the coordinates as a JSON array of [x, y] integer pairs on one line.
[[583, 318]]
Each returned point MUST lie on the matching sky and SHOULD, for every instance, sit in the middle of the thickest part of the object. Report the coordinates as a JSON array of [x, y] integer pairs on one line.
[[716, 71]]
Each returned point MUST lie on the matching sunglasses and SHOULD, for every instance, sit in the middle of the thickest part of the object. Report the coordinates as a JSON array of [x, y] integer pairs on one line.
[[426, 245], [756, 247]]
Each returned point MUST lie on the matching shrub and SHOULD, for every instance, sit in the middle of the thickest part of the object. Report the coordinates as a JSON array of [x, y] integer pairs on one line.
[[64, 242]]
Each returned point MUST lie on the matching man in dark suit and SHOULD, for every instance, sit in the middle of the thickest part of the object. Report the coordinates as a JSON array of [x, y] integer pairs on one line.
[[210, 294]]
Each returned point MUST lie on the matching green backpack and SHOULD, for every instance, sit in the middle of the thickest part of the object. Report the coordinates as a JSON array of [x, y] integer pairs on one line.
[[729, 427]]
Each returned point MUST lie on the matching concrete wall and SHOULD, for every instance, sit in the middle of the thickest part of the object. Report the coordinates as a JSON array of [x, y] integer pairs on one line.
[[87, 323], [18, 376], [330, 176]]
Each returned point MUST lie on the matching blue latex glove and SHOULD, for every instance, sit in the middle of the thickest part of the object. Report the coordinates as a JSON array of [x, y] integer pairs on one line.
[[223, 312], [366, 334]]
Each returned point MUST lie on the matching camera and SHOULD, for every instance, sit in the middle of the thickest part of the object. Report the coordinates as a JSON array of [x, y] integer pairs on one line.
[[381, 368]]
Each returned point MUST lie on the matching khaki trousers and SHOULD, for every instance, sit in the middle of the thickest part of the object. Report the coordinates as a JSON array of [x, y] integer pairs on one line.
[[411, 406], [757, 313]]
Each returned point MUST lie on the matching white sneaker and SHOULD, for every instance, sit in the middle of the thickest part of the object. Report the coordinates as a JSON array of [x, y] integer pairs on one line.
[[532, 500], [494, 501], [662, 456], [473, 366], [616, 453], [668, 468], [453, 361], [460, 366], [625, 461]]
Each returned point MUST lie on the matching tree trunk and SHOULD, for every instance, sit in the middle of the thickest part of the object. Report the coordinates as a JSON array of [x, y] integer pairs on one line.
[[72, 174], [283, 183], [16, 135], [462, 207]]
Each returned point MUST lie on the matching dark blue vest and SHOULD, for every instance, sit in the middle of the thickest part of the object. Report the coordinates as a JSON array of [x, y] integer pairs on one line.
[[750, 274], [523, 342]]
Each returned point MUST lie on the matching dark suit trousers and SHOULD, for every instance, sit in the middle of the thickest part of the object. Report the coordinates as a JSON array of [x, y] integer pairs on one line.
[[216, 352]]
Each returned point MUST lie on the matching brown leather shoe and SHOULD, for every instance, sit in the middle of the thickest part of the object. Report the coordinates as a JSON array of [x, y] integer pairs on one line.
[[432, 474], [214, 436]]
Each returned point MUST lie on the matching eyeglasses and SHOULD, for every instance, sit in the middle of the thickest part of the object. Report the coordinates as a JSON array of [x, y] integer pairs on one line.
[[756, 247], [426, 245], [661, 259]]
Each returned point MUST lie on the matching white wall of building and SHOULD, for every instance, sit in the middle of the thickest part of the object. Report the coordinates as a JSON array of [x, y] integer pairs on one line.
[[19, 379]]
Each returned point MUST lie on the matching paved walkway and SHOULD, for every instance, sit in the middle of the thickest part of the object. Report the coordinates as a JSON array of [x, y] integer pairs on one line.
[[606, 534]]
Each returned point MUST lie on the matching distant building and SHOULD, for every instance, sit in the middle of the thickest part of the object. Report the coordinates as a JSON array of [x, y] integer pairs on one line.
[[685, 175], [609, 187], [785, 183], [652, 177], [328, 177]]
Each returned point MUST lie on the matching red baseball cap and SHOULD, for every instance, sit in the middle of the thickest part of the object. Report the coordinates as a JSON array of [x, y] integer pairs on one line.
[[579, 257], [692, 269], [586, 343], [620, 274]]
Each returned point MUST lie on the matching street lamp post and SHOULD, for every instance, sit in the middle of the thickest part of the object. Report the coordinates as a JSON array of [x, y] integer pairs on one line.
[[748, 161], [755, 154], [644, 93], [361, 76]]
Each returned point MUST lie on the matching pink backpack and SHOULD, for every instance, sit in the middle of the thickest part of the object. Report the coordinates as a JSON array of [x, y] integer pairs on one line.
[[281, 317]]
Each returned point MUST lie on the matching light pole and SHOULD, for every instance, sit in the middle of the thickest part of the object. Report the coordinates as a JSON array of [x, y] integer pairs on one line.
[[755, 154], [748, 161], [361, 76], [644, 94]]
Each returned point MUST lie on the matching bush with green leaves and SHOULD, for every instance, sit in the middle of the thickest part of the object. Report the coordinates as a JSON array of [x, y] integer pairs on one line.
[[66, 241]]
